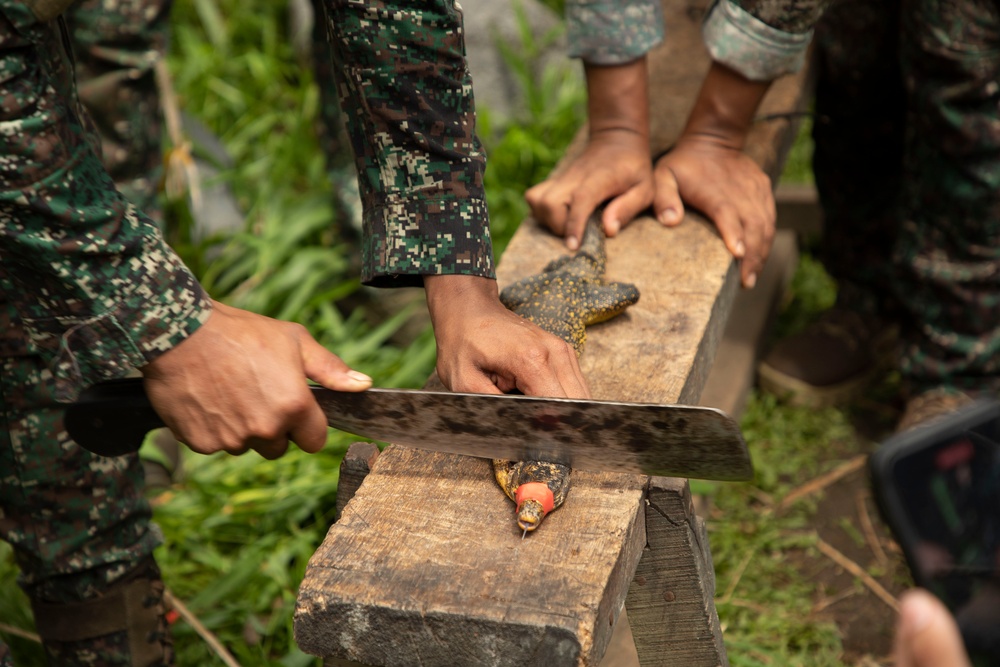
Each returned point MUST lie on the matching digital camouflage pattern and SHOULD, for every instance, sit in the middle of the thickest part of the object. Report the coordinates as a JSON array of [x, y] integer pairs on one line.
[[95, 286], [929, 129], [79, 524], [332, 134], [116, 44], [407, 94], [787, 15], [760, 39], [907, 164], [610, 32]]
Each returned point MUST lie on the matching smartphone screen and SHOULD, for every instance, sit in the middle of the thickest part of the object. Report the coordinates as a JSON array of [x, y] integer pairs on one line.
[[938, 487]]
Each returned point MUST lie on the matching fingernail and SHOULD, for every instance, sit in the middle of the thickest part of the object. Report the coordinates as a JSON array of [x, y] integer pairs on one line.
[[359, 378], [669, 215], [751, 280], [613, 227], [740, 249], [572, 243]]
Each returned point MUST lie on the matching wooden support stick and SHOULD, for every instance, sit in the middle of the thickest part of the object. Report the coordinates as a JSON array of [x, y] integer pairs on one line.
[[18, 632], [869, 530], [213, 642], [859, 572], [818, 484]]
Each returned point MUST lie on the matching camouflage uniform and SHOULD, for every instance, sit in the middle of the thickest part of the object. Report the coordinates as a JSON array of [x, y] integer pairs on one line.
[[609, 32], [116, 44], [412, 129], [907, 160], [89, 290]]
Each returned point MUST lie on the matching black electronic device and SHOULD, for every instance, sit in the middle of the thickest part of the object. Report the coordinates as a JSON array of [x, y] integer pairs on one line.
[[938, 488]]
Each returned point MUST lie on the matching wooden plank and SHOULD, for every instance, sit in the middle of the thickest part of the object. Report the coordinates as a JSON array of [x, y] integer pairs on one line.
[[798, 209], [426, 566]]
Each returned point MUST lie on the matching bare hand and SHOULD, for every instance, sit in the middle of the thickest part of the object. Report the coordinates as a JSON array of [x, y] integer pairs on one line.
[[615, 166], [729, 188], [926, 634], [484, 348], [239, 383]]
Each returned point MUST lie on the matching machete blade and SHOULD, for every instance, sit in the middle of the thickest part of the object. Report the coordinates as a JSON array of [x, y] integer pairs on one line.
[[608, 436]]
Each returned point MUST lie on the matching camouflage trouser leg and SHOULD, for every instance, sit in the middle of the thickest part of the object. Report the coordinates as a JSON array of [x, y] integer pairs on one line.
[[78, 523], [859, 146], [948, 251], [116, 44], [908, 167]]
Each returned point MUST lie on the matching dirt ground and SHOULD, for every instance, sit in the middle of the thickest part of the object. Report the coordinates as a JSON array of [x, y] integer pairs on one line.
[[865, 619], [847, 519]]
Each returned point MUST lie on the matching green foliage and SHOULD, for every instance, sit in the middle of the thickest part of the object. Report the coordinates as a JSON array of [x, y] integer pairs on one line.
[[798, 164], [238, 536], [812, 291], [765, 602]]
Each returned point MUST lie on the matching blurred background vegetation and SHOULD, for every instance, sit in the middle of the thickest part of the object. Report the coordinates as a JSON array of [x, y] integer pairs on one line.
[[239, 531]]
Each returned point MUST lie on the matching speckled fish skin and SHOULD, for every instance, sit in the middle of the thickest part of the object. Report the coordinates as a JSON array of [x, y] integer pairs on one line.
[[568, 295]]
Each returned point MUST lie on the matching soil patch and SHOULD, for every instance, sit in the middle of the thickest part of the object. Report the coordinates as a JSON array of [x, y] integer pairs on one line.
[[848, 520]]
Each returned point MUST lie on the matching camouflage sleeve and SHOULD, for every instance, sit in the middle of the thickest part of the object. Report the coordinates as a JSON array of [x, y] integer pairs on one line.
[[761, 39], [97, 290], [612, 32], [407, 96]]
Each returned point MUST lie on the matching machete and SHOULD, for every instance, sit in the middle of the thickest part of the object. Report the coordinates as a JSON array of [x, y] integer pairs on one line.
[[112, 418]]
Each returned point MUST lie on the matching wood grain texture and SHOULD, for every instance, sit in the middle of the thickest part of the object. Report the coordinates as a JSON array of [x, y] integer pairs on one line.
[[670, 603], [426, 567]]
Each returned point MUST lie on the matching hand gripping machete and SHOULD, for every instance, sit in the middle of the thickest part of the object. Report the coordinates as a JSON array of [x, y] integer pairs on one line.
[[112, 418]]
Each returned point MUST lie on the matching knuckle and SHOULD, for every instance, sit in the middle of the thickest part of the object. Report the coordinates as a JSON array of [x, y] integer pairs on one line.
[[264, 429], [535, 355]]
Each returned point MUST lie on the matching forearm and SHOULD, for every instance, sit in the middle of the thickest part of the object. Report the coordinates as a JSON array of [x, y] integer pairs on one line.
[[618, 98], [408, 103], [725, 107], [94, 285], [449, 297]]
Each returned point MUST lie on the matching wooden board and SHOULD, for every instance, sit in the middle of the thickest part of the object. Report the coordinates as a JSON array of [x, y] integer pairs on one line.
[[426, 566]]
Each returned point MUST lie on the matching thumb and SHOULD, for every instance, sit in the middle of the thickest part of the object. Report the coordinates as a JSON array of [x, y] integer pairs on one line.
[[926, 634], [622, 210], [323, 366], [667, 203]]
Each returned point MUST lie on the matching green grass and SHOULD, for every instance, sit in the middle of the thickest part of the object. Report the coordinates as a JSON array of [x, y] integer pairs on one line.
[[798, 163]]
